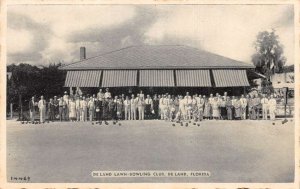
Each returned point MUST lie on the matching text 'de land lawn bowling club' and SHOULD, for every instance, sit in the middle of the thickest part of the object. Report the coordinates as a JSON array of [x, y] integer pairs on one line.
[[151, 174]]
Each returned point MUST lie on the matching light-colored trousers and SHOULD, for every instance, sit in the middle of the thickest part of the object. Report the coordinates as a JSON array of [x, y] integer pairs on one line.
[[265, 112], [133, 113], [42, 114], [243, 112], [32, 115], [141, 112], [127, 113], [272, 113], [84, 114], [91, 114]]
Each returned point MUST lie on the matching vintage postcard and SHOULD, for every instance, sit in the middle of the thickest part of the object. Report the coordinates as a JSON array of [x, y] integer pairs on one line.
[[143, 94]]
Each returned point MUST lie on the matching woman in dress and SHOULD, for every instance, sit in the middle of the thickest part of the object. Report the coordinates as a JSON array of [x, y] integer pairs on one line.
[[215, 109], [237, 109], [72, 110]]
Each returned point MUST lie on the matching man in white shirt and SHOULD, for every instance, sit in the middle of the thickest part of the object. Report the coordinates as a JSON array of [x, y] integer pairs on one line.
[[126, 104], [264, 102], [272, 107], [100, 95], [42, 108], [244, 103], [133, 107], [140, 106], [107, 94]]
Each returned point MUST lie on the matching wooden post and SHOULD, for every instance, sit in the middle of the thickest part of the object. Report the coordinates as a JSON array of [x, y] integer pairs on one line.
[[11, 110], [20, 108]]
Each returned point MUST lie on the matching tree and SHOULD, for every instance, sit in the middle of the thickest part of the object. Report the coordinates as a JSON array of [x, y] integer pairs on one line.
[[268, 58], [27, 81]]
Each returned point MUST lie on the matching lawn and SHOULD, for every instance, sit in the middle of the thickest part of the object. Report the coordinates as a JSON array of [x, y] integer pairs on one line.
[[233, 151]]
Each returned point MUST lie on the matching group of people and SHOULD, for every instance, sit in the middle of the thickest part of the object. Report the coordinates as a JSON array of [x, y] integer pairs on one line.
[[104, 106]]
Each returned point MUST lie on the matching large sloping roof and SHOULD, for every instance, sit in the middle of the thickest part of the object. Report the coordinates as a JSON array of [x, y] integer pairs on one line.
[[157, 57]]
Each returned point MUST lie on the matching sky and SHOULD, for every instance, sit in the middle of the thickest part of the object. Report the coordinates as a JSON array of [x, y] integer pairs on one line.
[[43, 34]]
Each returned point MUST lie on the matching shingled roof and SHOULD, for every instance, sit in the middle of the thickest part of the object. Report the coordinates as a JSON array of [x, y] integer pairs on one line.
[[157, 57]]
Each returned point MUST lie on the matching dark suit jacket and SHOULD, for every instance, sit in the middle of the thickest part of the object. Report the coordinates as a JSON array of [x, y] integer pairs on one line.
[[31, 106]]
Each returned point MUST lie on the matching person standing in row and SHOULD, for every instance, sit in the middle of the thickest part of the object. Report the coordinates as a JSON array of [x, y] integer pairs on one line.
[[51, 110], [162, 107], [83, 105], [78, 108], [133, 107], [237, 108], [107, 94], [264, 102], [127, 113], [207, 109], [61, 107], [229, 108], [148, 107], [56, 107], [200, 106], [32, 106], [66, 109], [156, 106], [244, 103], [42, 108], [140, 105], [215, 108], [100, 95], [91, 107], [98, 110], [72, 110], [272, 107]]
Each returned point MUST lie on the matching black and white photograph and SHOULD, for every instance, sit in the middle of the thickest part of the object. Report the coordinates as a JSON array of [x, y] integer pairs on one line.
[[151, 93]]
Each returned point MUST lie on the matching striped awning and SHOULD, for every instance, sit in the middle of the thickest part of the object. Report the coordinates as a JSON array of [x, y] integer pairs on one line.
[[156, 78], [88, 78], [193, 78], [119, 78], [230, 78]]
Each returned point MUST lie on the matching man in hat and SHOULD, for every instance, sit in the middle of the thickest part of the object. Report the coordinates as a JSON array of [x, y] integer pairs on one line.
[[32, 105], [107, 94], [42, 108]]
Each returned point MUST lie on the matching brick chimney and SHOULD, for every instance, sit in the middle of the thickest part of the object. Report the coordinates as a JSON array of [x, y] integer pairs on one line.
[[82, 53]]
